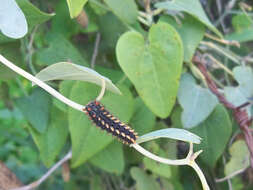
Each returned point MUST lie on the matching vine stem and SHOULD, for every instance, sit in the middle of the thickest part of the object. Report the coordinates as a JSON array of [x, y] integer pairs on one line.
[[67, 157], [40, 83], [189, 160]]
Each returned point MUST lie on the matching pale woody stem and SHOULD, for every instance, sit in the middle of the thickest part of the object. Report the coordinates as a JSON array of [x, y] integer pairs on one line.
[[40, 83]]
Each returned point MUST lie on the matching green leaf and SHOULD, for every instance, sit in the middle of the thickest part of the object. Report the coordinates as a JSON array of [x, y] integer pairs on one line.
[[126, 10], [143, 119], [172, 133], [33, 15], [75, 7], [157, 168], [240, 157], [143, 180], [87, 140], [60, 49], [11, 52], [193, 8], [51, 142], [111, 159], [215, 131], [193, 99], [35, 109], [70, 71], [191, 32], [153, 66]]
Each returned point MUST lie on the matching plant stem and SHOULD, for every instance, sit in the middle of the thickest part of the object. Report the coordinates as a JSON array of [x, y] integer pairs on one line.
[[189, 160], [40, 83], [35, 184]]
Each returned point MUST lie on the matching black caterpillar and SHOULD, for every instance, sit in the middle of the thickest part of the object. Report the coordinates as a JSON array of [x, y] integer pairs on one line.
[[106, 121]]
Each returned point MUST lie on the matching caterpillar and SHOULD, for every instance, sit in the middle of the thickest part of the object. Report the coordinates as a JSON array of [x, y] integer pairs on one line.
[[106, 121]]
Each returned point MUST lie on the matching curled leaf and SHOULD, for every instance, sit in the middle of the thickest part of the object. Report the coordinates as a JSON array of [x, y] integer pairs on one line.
[[172, 133], [70, 71]]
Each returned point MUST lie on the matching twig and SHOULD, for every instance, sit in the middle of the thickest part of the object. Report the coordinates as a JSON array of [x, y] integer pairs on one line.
[[95, 51], [240, 114], [223, 41], [189, 160], [221, 50], [67, 157], [40, 83], [230, 175], [219, 64]]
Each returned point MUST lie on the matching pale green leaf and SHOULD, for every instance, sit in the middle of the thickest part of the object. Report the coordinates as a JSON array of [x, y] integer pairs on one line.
[[70, 71], [153, 66], [172, 133], [193, 99]]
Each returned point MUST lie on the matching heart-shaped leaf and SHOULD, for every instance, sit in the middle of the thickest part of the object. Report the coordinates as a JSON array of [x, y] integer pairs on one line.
[[12, 20], [193, 99], [70, 71], [87, 140], [36, 108], [153, 66], [193, 8]]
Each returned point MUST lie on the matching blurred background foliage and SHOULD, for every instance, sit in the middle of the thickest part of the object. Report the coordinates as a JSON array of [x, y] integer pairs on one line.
[[36, 130]]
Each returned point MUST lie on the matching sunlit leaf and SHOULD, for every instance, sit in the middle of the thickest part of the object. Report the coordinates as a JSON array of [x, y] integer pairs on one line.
[[153, 65]]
